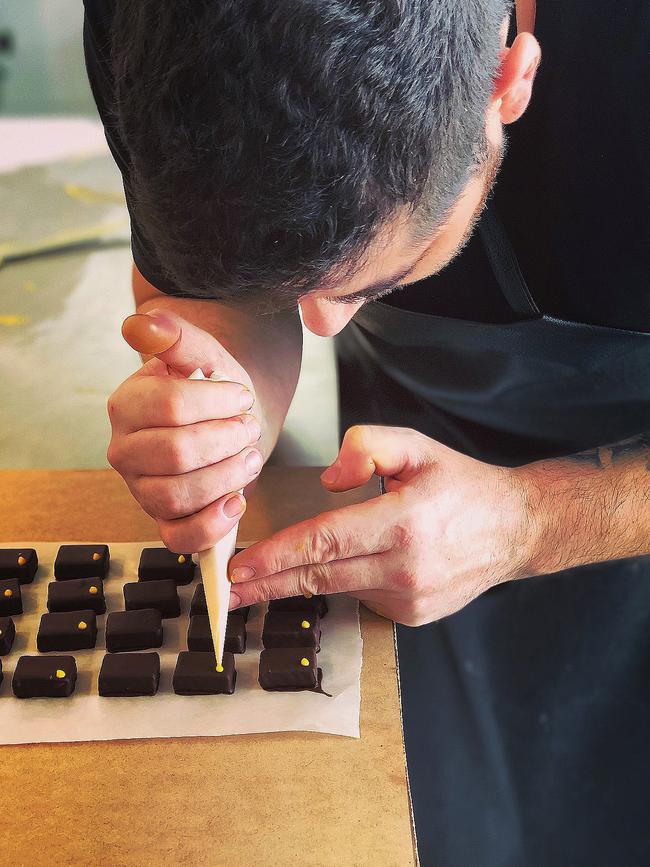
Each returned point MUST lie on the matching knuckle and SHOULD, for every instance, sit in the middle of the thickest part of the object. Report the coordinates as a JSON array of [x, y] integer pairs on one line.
[[314, 578], [178, 453], [114, 454], [172, 405], [323, 545]]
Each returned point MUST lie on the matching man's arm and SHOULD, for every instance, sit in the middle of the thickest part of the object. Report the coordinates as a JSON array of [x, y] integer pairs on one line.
[[268, 347], [590, 507]]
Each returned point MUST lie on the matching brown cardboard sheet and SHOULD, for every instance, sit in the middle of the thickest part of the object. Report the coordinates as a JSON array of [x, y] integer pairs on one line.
[[278, 799]]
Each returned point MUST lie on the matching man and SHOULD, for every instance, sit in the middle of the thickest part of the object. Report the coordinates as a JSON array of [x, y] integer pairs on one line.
[[322, 155]]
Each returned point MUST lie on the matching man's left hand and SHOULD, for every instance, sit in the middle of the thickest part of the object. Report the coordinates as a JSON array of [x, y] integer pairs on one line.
[[448, 528]]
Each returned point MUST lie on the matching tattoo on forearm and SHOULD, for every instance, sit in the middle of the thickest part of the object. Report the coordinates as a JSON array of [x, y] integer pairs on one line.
[[635, 448]]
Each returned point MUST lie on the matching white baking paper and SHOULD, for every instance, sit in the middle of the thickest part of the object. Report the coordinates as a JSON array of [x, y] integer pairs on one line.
[[86, 716]]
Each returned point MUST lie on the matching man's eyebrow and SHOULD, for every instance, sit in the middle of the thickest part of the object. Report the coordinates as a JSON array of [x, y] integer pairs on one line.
[[383, 287]]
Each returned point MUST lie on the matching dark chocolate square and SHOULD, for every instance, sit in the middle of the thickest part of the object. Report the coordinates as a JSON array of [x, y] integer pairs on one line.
[[199, 605], [157, 563], [45, 677], [133, 630], [20, 563], [289, 669], [11, 599], [7, 635], [161, 595], [313, 605], [199, 636], [77, 594], [67, 630], [291, 629], [196, 674], [129, 674], [81, 561]]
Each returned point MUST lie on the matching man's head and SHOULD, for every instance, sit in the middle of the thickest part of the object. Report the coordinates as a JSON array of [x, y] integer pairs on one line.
[[306, 150]]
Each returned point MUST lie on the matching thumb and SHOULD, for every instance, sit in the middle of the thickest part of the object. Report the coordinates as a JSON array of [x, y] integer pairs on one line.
[[180, 344], [369, 450]]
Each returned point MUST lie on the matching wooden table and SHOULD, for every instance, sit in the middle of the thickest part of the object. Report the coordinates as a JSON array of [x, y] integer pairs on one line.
[[265, 800]]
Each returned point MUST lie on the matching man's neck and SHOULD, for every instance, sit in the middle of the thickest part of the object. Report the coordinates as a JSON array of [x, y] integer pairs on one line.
[[525, 12]]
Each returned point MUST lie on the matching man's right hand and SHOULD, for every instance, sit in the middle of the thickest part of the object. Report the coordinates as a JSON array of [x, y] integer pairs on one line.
[[186, 447]]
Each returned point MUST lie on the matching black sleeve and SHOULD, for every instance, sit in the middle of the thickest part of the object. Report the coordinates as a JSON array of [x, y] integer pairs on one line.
[[96, 38]]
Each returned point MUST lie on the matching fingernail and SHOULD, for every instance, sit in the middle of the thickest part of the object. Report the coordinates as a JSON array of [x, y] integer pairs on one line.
[[234, 506], [235, 600], [242, 573], [246, 398], [253, 428], [253, 462], [331, 474]]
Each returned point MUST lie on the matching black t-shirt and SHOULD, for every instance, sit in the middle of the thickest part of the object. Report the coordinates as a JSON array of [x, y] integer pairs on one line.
[[572, 192]]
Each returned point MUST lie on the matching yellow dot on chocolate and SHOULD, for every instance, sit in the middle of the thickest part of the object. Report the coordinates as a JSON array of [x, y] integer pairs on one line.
[[220, 668], [97, 556], [21, 560], [181, 558], [9, 592], [82, 625], [305, 624], [60, 673], [304, 661], [307, 594], [93, 590]]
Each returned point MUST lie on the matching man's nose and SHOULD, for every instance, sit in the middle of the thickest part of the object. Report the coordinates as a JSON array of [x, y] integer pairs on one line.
[[326, 318]]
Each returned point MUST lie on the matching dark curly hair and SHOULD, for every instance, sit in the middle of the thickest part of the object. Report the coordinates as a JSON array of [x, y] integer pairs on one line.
[[270, 140]]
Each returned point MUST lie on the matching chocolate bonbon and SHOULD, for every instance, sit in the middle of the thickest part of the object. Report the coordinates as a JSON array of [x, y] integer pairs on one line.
[[81, 561], [312, 604], [11, 599], [161, 595], [129, 674], [289, 669], [133, 630], [7, 635], [197, 674], [67, 630], [44, 677], [199, 636], [291, 629], [157, 563], [20, 563], [199, 605], [76, 594]]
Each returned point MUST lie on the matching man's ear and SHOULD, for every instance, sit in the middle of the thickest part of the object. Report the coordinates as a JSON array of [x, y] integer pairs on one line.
[[514, 82]]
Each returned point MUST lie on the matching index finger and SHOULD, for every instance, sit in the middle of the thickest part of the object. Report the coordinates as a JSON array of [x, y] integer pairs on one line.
[[352, 531]]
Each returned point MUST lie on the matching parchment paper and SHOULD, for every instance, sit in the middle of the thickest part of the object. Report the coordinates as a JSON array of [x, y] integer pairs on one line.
[[86, 716]]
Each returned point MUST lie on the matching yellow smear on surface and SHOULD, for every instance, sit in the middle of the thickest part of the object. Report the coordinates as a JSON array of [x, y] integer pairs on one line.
[[92, 590], [29, 286], [181, 558], [21, 560], [305, 624], [220, 668], [88, 196], [13, 320], [9, 592], [304, 661], [97, 556], [60, 673], [82, 625]]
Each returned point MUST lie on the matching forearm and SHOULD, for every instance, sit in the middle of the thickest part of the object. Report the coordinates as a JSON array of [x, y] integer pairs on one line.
[[589, 507], [268, 347]]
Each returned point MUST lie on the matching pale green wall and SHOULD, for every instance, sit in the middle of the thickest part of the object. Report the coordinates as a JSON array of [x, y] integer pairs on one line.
[[45, 73]]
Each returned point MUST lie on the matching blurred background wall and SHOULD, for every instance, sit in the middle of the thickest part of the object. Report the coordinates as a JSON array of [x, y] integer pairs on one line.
[[41, 58]]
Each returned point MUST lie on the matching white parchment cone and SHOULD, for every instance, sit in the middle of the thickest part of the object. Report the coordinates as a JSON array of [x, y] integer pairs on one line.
[[214, 569]]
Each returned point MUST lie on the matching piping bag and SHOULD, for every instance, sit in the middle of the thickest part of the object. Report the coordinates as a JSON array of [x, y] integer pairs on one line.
[[140, 332]]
